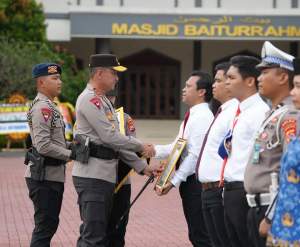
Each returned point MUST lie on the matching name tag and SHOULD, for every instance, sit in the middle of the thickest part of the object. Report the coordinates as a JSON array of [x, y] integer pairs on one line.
[[255, 157]]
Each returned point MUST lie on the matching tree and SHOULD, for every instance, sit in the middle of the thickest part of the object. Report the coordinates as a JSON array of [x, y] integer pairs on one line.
[[22, 20], [17, 59], [23, 44]]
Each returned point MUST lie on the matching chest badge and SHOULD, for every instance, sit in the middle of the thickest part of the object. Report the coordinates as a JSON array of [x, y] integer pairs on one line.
[[264, 135], [109, 116]]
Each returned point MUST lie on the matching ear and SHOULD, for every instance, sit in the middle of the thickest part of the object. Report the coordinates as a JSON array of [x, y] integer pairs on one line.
[[250, 82], [201, 92], [283, 78], [40, 82]]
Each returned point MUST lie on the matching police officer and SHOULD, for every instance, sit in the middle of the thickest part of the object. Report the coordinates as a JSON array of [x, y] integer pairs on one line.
[[121, 199], [97, 124], [45, 173], [275, 83]]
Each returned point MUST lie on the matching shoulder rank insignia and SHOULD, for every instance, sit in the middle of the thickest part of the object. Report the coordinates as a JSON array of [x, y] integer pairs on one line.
[[46, 112], [96, 101], [130, 124], [289, 127]]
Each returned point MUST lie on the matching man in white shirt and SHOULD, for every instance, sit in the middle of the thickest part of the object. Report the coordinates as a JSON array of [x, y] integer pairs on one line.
[[242, 84], [196, 93], [209, 163]]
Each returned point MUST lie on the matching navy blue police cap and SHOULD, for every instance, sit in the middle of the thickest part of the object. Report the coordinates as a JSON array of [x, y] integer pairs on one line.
[[44, 69]]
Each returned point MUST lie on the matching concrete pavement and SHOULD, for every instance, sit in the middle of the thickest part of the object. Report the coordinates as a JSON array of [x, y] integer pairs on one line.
[[154, 221]]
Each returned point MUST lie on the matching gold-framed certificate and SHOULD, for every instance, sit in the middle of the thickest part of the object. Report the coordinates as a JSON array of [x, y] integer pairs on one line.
[[120, 115], [124, 171], [171, 163]]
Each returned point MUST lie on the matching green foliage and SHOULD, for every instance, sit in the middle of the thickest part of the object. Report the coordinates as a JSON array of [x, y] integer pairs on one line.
[[17, 60], [22, 20], [23, 44]]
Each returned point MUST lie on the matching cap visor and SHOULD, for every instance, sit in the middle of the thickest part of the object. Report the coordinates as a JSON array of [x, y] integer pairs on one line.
[[119, 68], [264, 65]]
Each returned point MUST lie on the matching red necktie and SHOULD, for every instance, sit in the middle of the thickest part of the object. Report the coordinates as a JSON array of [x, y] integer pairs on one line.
[[186, 118], [204, 142], [238, 111]]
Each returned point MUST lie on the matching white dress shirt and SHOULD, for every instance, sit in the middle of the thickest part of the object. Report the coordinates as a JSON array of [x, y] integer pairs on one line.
[[253, 112], [210, 165], [196, 127]]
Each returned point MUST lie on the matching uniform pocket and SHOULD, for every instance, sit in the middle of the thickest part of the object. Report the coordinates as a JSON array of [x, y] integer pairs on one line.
[[93, 205]]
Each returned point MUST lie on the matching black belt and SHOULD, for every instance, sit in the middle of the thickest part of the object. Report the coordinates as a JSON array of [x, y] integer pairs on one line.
[[233, 185], [101, 152], [49, 161], [210, 185]]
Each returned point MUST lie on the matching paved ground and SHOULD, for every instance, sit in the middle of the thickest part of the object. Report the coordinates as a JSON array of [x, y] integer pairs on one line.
[[154, 221]]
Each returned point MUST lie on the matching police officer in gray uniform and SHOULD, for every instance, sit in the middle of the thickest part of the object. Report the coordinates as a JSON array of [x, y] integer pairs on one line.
[[94, 178], [46, 159], [121, 198], [275, 83]]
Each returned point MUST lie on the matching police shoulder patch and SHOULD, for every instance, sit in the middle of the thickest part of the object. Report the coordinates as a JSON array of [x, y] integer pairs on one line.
[[289, 127], [97, 102], [46, 112], [130, 124]]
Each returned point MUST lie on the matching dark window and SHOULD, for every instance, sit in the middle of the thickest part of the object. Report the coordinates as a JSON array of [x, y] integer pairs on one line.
[[99, 2], [274, 4], [121, 2], [295, 4], [198, 3], [175, 3], [78, 2], [219, 4]]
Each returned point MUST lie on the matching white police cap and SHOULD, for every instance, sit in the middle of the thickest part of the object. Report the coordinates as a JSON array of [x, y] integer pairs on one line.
[[272, 57]]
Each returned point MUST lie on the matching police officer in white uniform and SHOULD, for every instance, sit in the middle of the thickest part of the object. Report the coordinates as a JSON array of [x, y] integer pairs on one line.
[[275, 83], [98, 126]]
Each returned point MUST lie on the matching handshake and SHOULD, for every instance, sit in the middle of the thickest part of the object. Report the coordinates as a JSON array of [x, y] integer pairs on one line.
[[148, 150]]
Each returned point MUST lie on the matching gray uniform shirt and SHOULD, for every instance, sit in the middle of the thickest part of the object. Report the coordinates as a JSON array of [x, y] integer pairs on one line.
[[270, 143], [47, 132], [96, 119]]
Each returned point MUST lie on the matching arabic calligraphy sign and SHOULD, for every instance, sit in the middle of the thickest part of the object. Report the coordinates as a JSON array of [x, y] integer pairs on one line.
[[185, 26]]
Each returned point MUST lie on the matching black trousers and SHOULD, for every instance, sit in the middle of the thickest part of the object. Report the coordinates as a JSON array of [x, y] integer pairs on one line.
[[236, 210], [213, 212], [121, 202], [255, 216], [95, 202], [47, 199], [190, 192]]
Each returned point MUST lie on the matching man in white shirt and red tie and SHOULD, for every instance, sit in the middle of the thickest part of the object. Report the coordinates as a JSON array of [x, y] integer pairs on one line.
[[242, 84], [196, 94], [209, 163]]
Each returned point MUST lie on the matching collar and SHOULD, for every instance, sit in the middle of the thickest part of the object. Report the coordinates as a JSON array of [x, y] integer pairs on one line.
[[198, 107], [43, 97], [250, 101], [287, 100], [229, 103], [90, 87]]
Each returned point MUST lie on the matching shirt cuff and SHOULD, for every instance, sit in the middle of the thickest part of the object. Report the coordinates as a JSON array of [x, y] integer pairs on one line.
[[176, 181]]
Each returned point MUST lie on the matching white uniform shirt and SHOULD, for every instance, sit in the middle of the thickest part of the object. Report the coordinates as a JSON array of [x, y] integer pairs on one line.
[[253, 112], [210, 165], [196, 127]]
